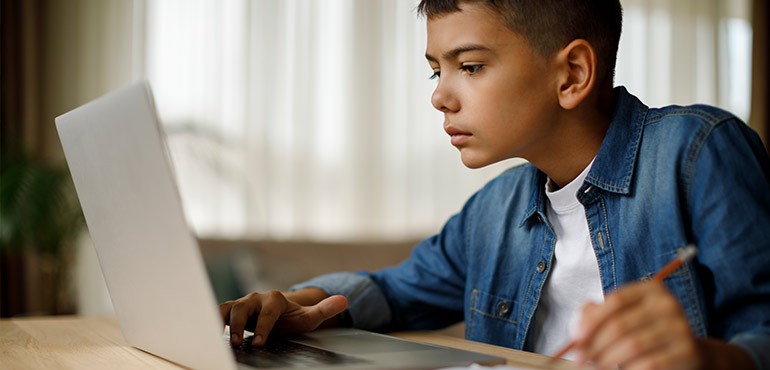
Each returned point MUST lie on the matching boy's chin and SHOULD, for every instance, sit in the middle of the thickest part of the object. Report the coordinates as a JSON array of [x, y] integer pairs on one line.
[[473, 161]]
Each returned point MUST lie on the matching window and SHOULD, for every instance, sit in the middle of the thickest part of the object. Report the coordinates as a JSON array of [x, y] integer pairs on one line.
[[304, 119]]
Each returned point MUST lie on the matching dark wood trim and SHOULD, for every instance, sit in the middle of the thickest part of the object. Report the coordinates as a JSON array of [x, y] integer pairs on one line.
[[766, 50], [12, 300], [20, 45], [11, 72], [760, 118]]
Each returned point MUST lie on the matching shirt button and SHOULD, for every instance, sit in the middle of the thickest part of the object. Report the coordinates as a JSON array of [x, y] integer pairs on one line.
[[540, 266], [502, 308]]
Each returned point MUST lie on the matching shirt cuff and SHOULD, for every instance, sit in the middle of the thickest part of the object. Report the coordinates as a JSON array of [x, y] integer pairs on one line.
[[368, 308], [756, 344]]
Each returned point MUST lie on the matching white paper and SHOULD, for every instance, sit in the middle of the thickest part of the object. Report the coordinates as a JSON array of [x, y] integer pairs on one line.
[[480, 367]]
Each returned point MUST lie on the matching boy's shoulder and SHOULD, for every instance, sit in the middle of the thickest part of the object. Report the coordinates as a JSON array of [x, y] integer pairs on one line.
[[696, 114], [671, 132], [687, 128], [670, 123]]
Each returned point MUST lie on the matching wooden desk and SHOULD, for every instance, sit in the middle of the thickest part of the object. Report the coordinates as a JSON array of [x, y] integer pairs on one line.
[[96, 343]]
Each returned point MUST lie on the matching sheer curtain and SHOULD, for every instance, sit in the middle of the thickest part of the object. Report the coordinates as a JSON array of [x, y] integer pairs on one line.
[[302, 119], [687, 51]]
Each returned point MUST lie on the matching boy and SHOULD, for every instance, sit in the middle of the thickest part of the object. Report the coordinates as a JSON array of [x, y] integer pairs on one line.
[[612, 191]]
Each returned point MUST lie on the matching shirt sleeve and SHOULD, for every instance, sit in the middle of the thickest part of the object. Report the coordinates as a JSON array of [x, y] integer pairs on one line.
[[729, 196], [428, 290], [756, 344], [424, 292], [367, 306]]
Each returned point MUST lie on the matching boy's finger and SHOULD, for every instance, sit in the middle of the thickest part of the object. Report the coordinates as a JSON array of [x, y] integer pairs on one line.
[[224, 311], [638, 345], [273, 306], [594, 315], [666, 327], [240, 312], [616, 327]]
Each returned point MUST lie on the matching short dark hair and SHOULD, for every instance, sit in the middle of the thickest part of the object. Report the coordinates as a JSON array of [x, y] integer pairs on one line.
[[550, 25]]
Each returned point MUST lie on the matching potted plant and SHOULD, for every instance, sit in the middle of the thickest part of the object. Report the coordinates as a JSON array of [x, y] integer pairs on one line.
[[40, 215]]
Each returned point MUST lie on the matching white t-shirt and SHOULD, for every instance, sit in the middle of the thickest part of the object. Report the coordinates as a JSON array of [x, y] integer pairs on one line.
[[574, 278]]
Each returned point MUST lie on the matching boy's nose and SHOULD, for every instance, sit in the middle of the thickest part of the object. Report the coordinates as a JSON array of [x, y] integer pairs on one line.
[[443, 100]]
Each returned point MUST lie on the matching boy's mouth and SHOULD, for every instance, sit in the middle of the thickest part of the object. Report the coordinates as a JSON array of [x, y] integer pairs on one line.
[[457, 137]]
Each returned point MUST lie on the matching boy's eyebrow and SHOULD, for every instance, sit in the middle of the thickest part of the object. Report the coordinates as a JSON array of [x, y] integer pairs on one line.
[[454, 53]]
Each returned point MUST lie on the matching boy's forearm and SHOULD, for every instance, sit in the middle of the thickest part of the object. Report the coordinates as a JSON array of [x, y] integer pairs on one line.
[[720, 355]]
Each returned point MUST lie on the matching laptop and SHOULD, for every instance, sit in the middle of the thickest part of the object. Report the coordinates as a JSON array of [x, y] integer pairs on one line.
[[116, 152]]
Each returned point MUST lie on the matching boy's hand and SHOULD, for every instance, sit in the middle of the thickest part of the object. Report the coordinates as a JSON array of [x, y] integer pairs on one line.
[[640, 326], [263, 312]]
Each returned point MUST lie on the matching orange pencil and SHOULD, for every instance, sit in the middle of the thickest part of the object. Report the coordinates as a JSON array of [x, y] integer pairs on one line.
[[684, 256]]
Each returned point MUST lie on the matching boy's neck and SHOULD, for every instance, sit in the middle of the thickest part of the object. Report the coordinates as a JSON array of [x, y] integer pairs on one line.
[[579, 137]]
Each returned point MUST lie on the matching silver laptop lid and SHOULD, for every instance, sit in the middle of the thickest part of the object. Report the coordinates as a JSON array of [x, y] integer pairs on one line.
[[116, 153], [151, 263]]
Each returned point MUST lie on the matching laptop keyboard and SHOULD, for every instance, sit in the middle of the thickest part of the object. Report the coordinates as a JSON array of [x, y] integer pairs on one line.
[[283, 353]]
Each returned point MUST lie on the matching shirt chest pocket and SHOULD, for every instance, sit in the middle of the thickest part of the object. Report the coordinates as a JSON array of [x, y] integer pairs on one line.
[[492, 318]]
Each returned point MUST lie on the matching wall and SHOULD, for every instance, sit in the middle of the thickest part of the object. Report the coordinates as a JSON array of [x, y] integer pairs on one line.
[[57, 55]]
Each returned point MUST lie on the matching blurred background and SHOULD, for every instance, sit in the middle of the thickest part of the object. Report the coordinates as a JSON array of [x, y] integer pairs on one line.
[[301, 131]]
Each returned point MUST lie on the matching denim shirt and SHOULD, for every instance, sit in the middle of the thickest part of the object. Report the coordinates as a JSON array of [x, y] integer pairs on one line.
[[662, 179]]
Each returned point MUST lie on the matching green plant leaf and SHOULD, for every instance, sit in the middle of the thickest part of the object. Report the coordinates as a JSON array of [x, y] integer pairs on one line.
[[38, 207]]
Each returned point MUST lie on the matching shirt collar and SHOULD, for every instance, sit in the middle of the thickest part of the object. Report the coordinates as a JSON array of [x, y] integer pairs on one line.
[[613, 167], [537, 199]]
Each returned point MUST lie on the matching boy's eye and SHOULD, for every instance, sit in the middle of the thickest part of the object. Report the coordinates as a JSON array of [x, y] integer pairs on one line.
[[436, 74], [471, 68]]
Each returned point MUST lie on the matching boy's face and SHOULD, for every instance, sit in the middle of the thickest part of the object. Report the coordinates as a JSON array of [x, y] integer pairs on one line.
[[496, 93]]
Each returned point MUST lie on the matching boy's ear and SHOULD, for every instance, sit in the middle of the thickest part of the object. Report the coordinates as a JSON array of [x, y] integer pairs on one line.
[[576, 64]]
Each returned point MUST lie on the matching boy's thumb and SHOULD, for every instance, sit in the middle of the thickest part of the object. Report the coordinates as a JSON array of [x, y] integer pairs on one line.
[[332, 306]]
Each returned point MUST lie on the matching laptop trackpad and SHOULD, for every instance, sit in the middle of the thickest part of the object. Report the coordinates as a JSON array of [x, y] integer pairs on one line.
[[359, 342]]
